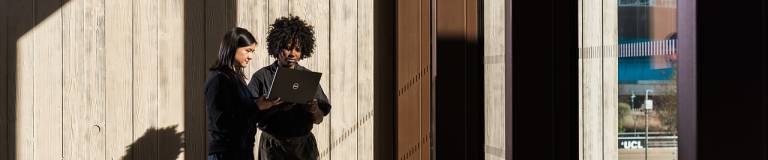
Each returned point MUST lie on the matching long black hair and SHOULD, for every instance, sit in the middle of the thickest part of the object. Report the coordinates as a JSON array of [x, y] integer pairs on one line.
[[291, 31], [235, 38]]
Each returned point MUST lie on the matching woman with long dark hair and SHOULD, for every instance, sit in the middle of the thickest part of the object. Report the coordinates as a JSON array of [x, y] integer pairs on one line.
[[232, 109]]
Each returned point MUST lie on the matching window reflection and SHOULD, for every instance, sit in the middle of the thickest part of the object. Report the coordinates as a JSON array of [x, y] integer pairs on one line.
[[647, 77]]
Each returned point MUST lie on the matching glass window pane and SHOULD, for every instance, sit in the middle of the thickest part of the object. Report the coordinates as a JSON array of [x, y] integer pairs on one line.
[[628, 77]]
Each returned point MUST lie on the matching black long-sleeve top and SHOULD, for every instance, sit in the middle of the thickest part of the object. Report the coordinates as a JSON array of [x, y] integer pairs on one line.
[[232, 112], [296, 121]]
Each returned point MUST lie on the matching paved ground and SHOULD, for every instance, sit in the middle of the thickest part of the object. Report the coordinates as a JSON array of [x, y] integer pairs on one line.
[[653, 154]]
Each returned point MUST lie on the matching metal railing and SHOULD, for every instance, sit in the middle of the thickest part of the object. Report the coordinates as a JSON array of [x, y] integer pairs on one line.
[[649, 48]]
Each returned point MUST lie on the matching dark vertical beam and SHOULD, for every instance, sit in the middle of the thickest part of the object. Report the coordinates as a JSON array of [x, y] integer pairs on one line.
[[730, 81], [450, 76], [459, 128], [384, 78], [508, 94], [686, 85], [543, 73], [475, 111], [565, 90], [4, 72], [5, 126], [765, 76], [195, 72], [532, 79]]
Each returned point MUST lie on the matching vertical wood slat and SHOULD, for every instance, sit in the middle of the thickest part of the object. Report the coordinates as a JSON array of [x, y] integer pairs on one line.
[[494, 79], [21, 46], [365, 75], [5, 125], [592, 88], [170, 110], [252, 15], [48, 79], [610, 82], [195, 73], [343, 67], [424, 82], [219, 18], [317, 14], [118, 25], [84, 87], [276, 9], [145, 79], [408, 42], [580, 31]]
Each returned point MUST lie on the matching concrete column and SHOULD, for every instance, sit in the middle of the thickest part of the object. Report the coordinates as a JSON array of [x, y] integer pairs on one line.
[[598, 79]]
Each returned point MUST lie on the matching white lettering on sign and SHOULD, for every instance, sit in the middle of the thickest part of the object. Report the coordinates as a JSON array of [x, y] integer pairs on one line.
[[632, 144]]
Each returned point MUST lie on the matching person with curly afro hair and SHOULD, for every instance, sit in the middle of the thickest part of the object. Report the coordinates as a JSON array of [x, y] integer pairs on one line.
[[286, 127]]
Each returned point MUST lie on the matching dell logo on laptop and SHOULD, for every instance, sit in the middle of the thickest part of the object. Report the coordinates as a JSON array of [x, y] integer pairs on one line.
[[295, 86]]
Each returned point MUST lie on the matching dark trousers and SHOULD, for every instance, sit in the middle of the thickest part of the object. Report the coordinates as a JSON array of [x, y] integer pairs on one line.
[[294, 148], [232, 155]]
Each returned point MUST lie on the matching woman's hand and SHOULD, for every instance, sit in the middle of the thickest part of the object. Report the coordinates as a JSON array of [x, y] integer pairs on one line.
[[264, 103], [314, 108]]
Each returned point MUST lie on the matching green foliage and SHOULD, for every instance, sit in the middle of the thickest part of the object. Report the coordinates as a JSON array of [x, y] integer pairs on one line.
[[623, 111]]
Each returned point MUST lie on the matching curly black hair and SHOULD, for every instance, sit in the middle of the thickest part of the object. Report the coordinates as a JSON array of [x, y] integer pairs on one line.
[[288, 33]]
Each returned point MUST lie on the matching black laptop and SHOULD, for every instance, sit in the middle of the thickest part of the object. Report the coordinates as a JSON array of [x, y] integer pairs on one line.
[[294, 86]]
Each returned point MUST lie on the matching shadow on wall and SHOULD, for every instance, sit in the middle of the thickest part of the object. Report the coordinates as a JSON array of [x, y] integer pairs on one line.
[[19, 18], [205, 22], [169, 149], [211, 18]]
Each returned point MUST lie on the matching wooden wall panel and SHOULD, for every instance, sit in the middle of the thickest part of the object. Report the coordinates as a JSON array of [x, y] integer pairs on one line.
[[220, 17], [48, 79], [118, 23], [277, 9], [21, 42], [145, 79], [317, 14], [252, 15], [343, 74], [410, 48], [364, 123], [84, 85], [494, 45], [170, 109], [131, 71]]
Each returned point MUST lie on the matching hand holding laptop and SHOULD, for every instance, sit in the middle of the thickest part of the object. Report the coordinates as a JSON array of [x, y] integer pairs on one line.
[[314, 109], [264, 104]]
